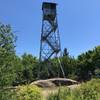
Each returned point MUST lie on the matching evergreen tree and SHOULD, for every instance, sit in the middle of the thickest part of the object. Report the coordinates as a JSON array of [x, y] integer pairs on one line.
[[7, 55]]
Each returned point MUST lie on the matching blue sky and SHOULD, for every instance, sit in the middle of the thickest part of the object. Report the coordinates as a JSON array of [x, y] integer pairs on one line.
[[79, 24]]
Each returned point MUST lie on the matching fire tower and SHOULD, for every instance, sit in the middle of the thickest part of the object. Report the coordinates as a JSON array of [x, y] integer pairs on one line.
[[50, 40]]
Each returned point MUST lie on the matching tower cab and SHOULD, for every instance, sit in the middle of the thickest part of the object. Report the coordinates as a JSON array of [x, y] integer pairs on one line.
[[49, 10]]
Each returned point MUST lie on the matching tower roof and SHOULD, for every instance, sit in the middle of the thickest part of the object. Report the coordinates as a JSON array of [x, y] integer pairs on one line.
[[48, 5]]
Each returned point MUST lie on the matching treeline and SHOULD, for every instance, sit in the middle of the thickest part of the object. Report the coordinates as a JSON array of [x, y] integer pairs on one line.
[[16, 70]]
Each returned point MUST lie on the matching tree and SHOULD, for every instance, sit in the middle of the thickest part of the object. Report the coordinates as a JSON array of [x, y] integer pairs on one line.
[[87, 63], [7, 55], [7, 38], [29, 67], [65, 52], [96, 57]]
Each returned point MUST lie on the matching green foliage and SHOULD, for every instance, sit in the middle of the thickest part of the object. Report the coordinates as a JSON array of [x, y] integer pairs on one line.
[[63, 94], [69, 65], [29, 63], [97, 73], [26, 69], [87, 91], [7, 38], [7, 55], [27, 92], [87, 63], [7, 94]]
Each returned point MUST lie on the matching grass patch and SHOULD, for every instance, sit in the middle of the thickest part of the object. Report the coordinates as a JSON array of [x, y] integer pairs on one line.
[[87, 91]]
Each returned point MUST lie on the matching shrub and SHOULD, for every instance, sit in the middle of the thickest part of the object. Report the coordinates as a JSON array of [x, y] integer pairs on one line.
[[87, 91], [27, 92], [7, 94]]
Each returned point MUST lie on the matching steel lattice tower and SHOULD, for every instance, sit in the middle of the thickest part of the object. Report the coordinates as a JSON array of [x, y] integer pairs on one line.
[[50, 40]]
